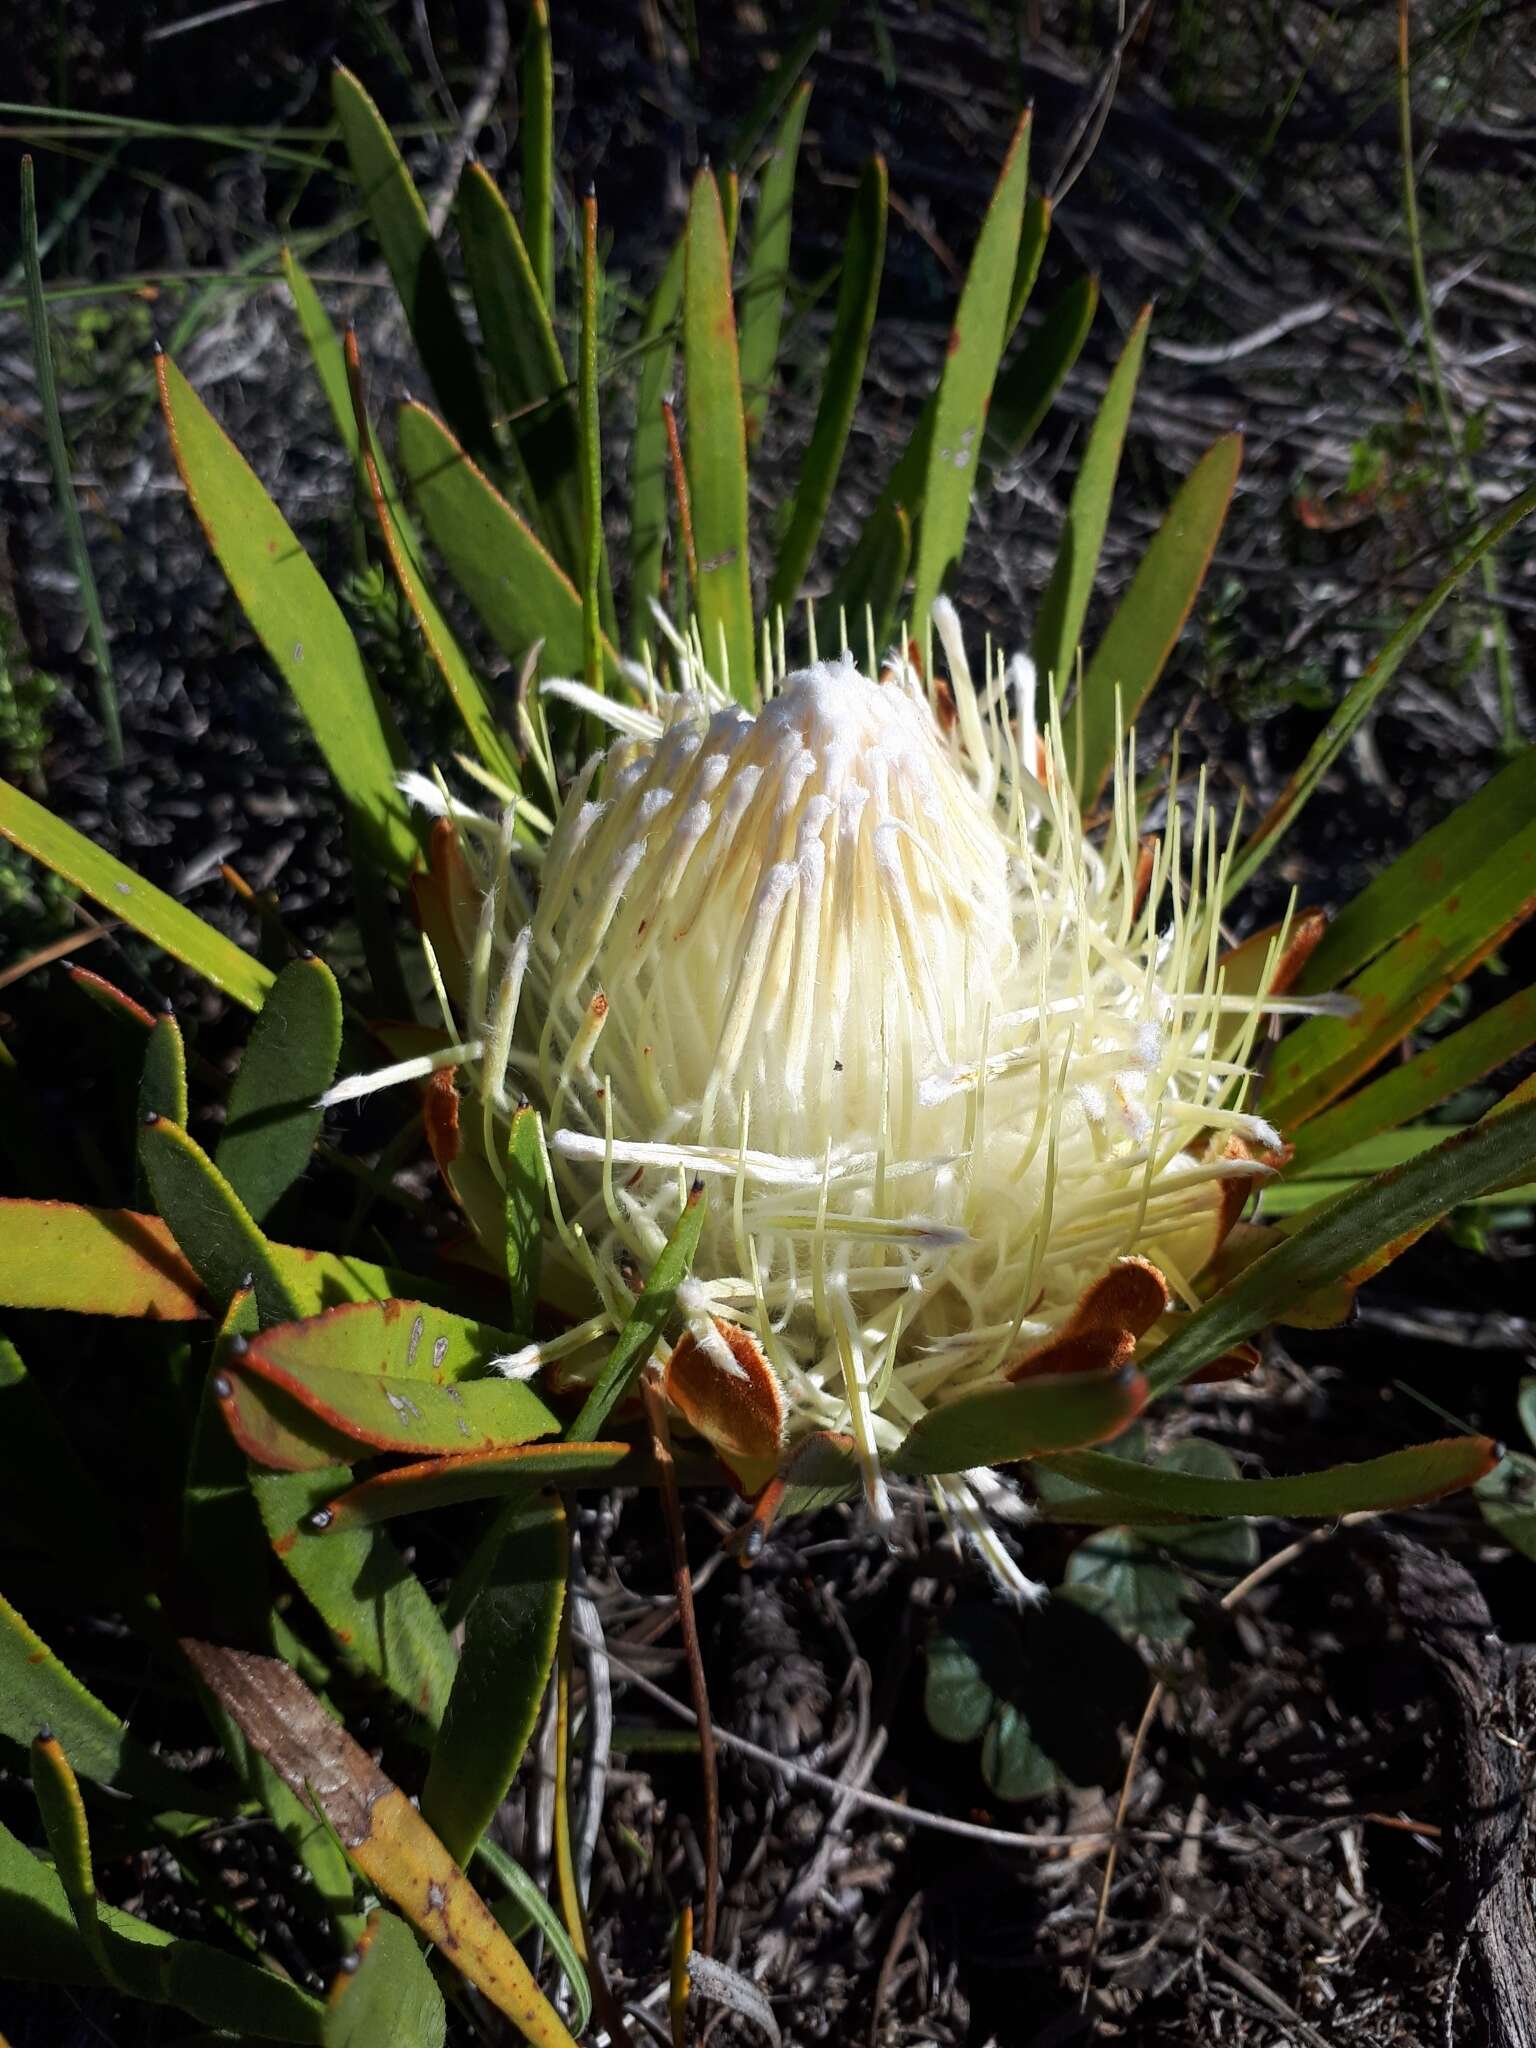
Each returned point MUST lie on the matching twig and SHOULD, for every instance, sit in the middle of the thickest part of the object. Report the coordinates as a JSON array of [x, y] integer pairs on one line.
[[56, 949], [1271, 2001], [492, 71], [698, 1685]]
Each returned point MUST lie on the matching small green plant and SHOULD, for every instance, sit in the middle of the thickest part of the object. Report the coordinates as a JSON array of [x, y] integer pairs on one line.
[[824, 1062]]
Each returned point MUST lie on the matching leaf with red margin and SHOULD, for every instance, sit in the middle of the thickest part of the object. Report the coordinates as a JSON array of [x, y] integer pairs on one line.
[[98, 1262], [999, 1425], [393, 1412], [480, 1475]]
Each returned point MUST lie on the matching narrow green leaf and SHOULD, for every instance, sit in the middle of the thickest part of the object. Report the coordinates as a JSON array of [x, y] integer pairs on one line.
[[1034, 233], [543, 1914], [1150, 617], [394, 207], [397, 1412], [863, 262], [593, 552], [767, 274], [1436, 864], [375, 1607], [296, 619], [514, 584], [289, 1061], [536, 111], [1059, 628], [509, 1651], [64, 474], [57, 1791], [485, 1475], [165, 922], [525, 1215], [1342, 726], [649, 467], [781, 82], [870, 591], [40, 1944], [390, 1995], [637, 1339], [1131, 1491], [1058, 1411], [1027, 387], [222, 1242], [1324, 1056], [976, 344], [163, 1083], [531, 378], [1406, 1091], [1400, 1202], [717, 446]]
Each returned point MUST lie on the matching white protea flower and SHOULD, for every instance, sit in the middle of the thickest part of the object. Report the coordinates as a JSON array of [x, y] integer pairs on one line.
[[943, 1063]]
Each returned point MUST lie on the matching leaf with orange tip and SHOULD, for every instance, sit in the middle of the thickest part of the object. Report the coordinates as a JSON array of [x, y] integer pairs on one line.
[[479, 1475], [109, 996], [383, 1833]]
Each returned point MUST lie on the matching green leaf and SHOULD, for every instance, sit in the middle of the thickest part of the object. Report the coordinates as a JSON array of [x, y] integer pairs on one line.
[[767, 275], [1012, 1761], [534, 1910], [649, 464], [396, 530], [997, 1425], [1150, 617], [37, 1691], [519, 591], [1027, 387], [971, 1659], [531, 378], [357, 1582], [396, 1412], [57, 1791], [1407, 1090], [1139, 1587], [1507, 1494], [1171, 1491], [509, 1651], [163, 1083], [1433, 867], [525, 1215], [1340, 729], [717, 446], [637, 1339], [223, 1243], [399, 220], [484, 1475], [1323, 1057], [165, 922], [1399, 1203], [40, 1944], [863, 262], [976, 344], [297, 621], [1059, 628], [390, 1995], [289, 1060], [536, 110]]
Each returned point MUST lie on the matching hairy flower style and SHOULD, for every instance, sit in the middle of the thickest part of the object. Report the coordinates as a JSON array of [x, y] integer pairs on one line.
[[851, 961]]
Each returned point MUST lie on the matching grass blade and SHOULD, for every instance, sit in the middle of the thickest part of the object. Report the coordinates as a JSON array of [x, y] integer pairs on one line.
[[976, 343], [1150, 617], [717, 446], [767, 275], [63, 475], [1059, 628], [863, 262], [536, 103]]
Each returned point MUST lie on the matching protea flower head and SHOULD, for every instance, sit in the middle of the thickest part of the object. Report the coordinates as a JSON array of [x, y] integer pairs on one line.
[[942, 1062]]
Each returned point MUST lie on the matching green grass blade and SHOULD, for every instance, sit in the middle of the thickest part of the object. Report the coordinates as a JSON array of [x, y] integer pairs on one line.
[[1408, 1091], [399, 219], [1342, 726], [767, 274], [717, 446], [517, 588], [63, 473], [1059, 628], [976, 344], [536, 105], [1433, 866], [637, 1339], [649, 468], [296, 619], [863, 262], [1122, 1490], [1150, 617], [123, 894], [1400, 1203], [289, 1061], [1026, 388], [509, 1651]]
